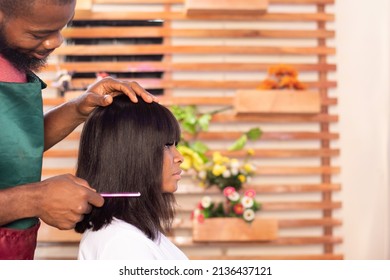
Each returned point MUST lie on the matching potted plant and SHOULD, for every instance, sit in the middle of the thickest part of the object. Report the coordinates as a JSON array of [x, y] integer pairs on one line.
[[233, 219], [235, 211]]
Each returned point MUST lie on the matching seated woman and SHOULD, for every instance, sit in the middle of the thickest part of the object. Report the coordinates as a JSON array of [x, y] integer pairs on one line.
[[130, 147]]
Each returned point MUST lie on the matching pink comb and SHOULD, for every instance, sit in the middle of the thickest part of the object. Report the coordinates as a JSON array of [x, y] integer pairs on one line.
[[137, 194]]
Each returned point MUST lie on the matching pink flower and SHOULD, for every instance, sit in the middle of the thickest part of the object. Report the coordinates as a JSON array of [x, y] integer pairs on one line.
[[228, 191], [200, 218], [234, 196], [250, 193]]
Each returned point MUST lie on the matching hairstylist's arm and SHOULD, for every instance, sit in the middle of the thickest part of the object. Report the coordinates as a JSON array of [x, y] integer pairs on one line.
[[60, 201], [62, 120]]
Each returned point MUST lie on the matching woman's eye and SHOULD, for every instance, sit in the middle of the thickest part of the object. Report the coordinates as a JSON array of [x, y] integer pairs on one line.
[[168, 145]]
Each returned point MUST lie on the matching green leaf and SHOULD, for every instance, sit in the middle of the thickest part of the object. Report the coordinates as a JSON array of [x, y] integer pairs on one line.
[[254, 133], [189, 127], [239, 144], [199, 147], [204, 121]]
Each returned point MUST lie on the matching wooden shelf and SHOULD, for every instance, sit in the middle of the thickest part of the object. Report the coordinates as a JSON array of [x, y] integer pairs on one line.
[[234, 230], [207, 7], [277, 102]]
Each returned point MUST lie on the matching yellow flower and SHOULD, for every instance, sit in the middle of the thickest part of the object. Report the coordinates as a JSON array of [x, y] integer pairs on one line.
[[250, 152], [191, 158], [248, 168], [242, 178], [187, 162], [217, 158], [218, 169]]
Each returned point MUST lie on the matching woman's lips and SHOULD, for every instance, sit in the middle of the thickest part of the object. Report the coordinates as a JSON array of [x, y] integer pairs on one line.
[[177, 174]]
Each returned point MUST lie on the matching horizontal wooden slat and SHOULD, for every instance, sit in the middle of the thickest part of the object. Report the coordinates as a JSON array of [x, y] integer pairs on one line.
[[262, 170], [304, 240], [228, 135], [293, 188], [258, 153], [157, 32], [94, 50], [282, 223], [250, 118], [60, 153], [287, 118], [284, 206], [262, 189], [285, 2], [227, 101], [150, 66], [196, 84], [294, 223], [295, 17], [111, 2], [277, 135], [287, 170]]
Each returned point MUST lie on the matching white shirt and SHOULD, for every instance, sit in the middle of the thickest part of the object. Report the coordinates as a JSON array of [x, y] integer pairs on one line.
[[123, 241]]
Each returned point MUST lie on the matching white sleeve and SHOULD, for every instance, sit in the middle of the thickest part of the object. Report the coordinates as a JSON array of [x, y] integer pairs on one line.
[[127, 247]]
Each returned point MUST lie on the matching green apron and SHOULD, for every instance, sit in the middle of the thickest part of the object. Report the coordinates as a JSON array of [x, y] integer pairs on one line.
[[21, 137]]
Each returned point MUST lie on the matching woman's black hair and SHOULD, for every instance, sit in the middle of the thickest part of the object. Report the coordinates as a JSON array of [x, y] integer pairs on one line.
[[122, 150]]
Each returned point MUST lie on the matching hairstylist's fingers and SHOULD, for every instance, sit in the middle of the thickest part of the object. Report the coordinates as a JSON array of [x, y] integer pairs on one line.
[[82, 182], [95, 199], [92, 196], [140, 91]]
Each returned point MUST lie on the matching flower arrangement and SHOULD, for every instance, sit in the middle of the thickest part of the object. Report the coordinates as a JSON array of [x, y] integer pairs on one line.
[[215, 170], [234, 205], [281, 77], [223, 171]]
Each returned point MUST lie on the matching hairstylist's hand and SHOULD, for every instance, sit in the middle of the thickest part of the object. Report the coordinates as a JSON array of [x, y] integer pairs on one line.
[[101, 93], [65, 199]]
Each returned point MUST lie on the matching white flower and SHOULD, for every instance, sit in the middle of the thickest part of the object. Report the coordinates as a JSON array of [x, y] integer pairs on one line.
[[234, 171], [234, 196], [196, 212], [206, 202], [247, 202], [202, 174], [248, 215], [234, 163], [226, 173]]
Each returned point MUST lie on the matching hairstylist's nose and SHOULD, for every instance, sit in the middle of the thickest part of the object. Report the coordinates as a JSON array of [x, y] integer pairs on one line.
[[54, 41]]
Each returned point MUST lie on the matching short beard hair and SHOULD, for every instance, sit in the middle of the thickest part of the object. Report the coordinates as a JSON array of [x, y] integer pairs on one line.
[[19, 60]]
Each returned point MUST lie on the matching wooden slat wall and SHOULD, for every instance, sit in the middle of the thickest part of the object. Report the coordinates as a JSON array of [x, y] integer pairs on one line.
[[204, 62]]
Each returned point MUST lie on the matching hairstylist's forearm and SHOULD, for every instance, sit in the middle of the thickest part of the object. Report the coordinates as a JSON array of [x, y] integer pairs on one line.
[[17, 203], [60, 122]]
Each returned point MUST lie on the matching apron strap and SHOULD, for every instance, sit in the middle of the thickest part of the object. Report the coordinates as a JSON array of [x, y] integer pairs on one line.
[[18, 244]]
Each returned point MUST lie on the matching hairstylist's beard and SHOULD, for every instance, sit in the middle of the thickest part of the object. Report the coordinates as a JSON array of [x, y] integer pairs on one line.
[[21, 61]]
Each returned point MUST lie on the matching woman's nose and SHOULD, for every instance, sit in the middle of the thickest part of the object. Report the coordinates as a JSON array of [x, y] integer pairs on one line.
[[178, 157]]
